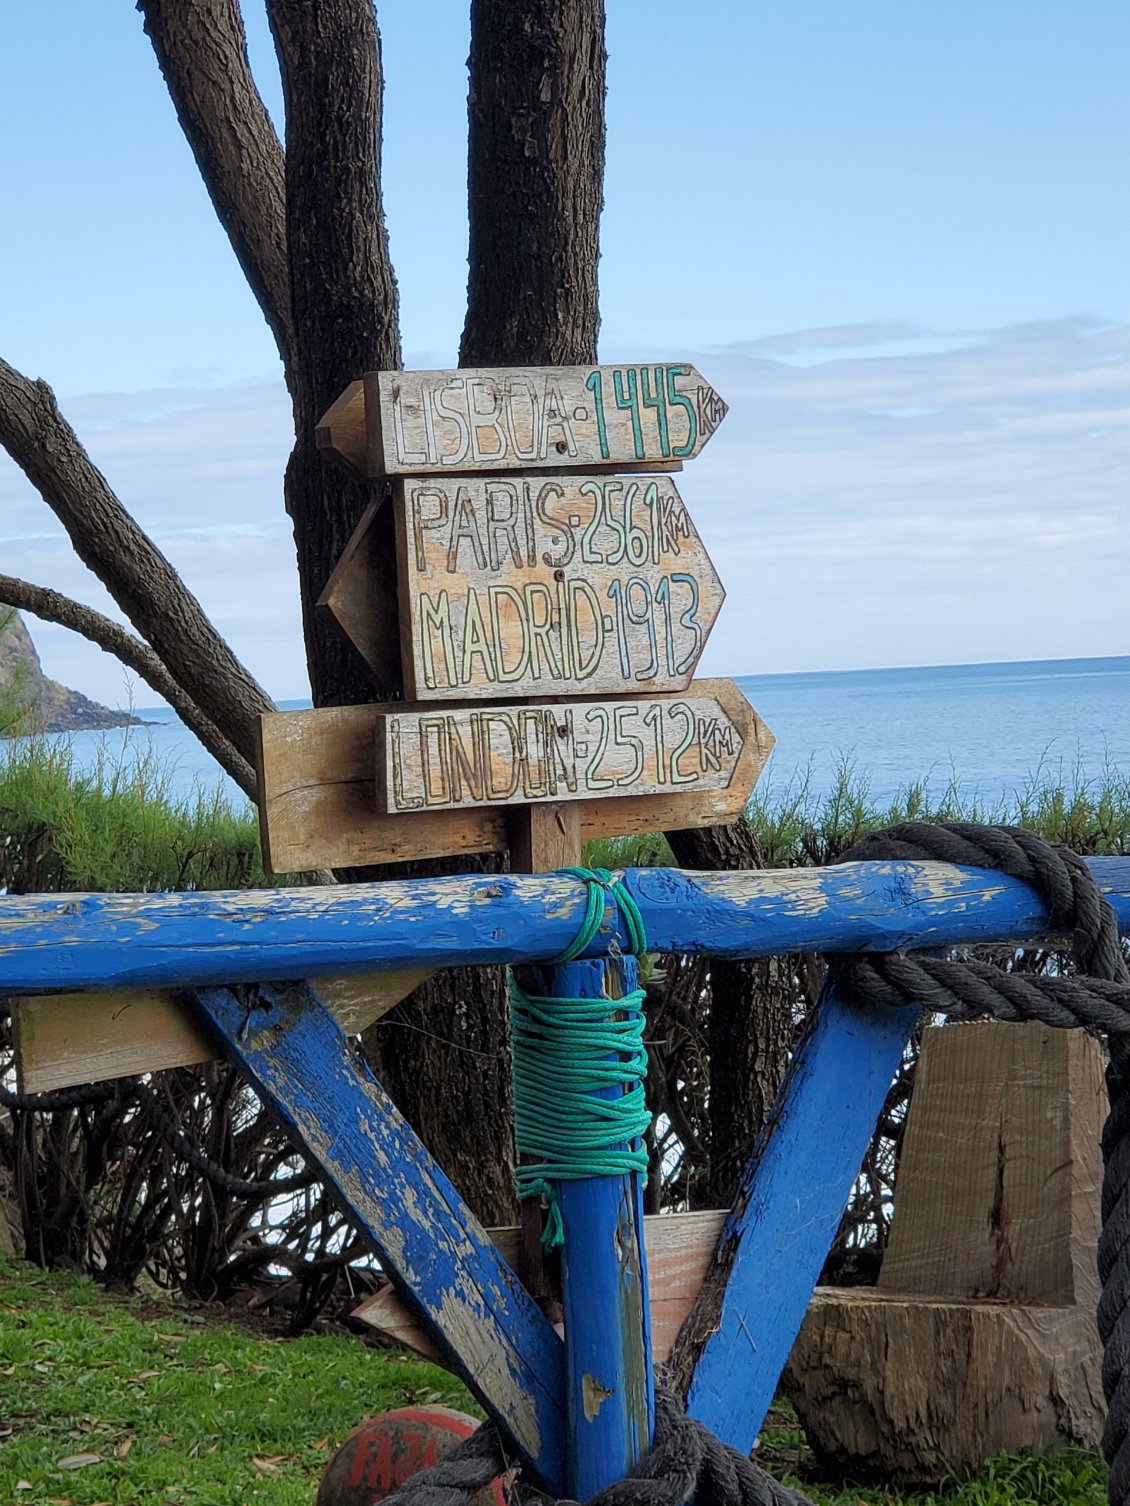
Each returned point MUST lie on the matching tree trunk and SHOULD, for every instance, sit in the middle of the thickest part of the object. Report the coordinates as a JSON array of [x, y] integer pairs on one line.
[[536, 176], [342, 289], [752, 1024], [202, 52]]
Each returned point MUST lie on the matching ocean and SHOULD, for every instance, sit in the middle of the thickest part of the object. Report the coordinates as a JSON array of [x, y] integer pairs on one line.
[[989, 729]]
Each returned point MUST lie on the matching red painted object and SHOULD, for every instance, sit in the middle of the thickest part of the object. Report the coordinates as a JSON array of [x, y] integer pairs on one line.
[[387, 1450]]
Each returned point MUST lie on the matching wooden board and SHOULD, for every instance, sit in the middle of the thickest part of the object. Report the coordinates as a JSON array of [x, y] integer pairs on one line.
[[514, 586], [63, 1039], [341, 432], [360, 596], [1000, 1169], [493, 756], [318, 801], [920, 1389], [678, 1245], [981, 1335], [307, 1073], [533, 417]]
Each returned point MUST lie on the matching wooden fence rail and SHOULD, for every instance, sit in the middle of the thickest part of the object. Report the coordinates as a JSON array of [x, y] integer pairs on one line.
[[468, 1302], [98, 941]]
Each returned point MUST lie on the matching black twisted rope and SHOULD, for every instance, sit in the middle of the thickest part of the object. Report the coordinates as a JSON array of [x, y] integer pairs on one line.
[[685, 1462], [1098, 1001], [62, 1098]]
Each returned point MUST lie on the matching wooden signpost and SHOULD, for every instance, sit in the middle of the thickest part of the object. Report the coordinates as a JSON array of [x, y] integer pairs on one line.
[[551, 614], [532, 584]]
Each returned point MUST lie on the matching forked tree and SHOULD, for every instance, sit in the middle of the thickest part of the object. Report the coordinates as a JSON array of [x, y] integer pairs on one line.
[[307, 225]]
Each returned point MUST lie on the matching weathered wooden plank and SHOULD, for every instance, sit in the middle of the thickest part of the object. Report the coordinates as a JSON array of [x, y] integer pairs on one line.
[[341, 431], [786, 1212], [81, 941], [548, 585], [305, 1071], [318, 806], [492, 756], [531, 417], [678, 1246], [610, 1394], [62, 1039], [361, 597]]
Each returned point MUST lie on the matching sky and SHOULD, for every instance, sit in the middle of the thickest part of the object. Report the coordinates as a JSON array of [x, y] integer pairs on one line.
[[892, 235]]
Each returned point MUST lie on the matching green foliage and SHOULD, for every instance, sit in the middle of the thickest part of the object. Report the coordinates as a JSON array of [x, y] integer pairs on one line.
[[116, 827], [796, 825], [1066, 1475], [173, 1409], [14, 706], [104, 1401]]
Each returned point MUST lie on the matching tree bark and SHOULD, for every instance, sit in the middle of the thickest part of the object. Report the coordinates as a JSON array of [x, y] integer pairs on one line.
[[535, 176], [751, 1027], [201, 49], [343, 292], [127, 562], [135, 655]]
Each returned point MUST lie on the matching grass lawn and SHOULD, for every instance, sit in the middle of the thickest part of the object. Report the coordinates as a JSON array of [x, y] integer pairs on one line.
[[105, 1402]]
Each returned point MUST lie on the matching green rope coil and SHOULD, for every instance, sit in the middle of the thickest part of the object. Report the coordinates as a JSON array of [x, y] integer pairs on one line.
[[579, 1107], [566, 1051]]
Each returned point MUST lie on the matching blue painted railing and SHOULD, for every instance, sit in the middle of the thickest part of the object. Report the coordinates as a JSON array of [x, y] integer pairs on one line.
[[574, 1421]]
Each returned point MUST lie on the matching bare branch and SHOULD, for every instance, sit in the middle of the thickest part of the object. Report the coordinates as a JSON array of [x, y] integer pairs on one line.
[[136, 655], [127, 562], [202, 52]]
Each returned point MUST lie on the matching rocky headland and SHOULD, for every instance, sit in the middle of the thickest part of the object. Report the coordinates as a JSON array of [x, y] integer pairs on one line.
[[50, 707]]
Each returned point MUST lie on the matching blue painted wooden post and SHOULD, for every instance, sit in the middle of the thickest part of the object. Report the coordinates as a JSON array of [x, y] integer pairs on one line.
[[787, 1209], [307, 1072], [609, 1400]]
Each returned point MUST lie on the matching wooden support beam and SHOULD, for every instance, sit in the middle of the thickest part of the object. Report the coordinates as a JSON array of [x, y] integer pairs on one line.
[[306, 1072], [90, 941], [63, 1039], [678, 1247], [785, 1215]]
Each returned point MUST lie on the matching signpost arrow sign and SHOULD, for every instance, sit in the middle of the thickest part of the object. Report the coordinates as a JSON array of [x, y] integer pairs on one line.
[[458, 758], [550, 584], [525, 418]]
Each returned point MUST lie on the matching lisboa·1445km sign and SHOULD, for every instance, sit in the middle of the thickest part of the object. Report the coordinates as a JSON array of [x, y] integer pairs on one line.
[[579, 417]]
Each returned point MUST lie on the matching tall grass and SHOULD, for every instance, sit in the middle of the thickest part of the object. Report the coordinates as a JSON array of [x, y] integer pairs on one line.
[[116, 826], [797, 824]]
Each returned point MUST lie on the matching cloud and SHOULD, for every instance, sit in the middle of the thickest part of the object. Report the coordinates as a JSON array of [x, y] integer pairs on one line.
[[888, 501]]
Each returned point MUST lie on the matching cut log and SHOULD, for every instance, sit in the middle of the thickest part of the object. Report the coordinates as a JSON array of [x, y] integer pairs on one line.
[[908, 1388], [981, 1336]]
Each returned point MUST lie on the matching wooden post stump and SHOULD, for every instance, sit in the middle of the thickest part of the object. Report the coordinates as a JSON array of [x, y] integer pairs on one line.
[[981, 1335]]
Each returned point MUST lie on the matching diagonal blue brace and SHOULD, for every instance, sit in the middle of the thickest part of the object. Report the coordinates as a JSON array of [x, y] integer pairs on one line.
[[787, 1209], [306, 1072]]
